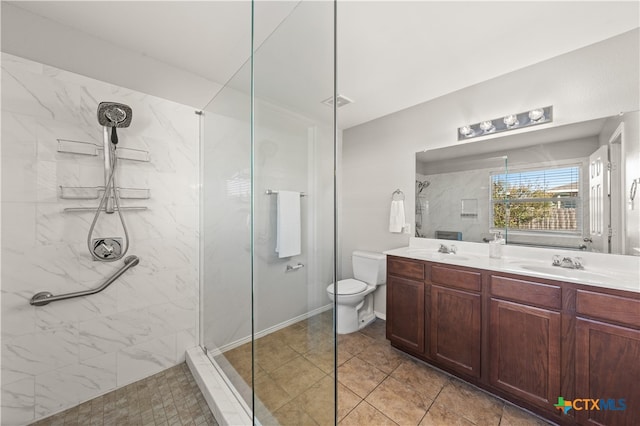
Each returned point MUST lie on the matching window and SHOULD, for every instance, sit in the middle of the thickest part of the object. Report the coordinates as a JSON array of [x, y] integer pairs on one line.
[[539, 200]]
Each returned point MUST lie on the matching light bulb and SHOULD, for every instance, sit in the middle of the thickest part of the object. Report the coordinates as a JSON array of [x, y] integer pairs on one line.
[[536, 114], [466, 131], [487, 126], [511, 120]]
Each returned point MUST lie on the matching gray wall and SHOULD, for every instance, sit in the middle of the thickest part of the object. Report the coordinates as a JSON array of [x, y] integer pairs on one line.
[[378, 157]]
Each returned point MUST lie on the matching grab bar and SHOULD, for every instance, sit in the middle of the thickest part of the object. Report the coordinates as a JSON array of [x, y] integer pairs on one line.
[[45, 297]]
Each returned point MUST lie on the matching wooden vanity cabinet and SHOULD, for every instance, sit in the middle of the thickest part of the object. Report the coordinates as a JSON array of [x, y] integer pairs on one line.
[[608, 357], [525, 339], [456, 319], [406, 304]]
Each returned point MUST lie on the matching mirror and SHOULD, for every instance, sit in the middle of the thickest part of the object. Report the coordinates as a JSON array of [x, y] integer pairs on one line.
[[550, 187]]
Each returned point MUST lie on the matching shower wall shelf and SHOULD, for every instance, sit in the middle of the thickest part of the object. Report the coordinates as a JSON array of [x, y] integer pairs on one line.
[[91, 149], [96, 192]]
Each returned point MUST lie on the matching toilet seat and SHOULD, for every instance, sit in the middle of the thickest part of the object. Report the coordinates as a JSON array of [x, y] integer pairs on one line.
[[348, 286]]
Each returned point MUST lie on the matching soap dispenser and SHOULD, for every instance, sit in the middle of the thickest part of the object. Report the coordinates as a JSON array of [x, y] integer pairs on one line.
[[495, 246]]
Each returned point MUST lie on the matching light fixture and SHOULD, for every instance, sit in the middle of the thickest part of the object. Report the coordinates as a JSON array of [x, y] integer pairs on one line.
[[342, 101], [487, 126], [536, 115], [466, 131], [511, 121], [508, 122]]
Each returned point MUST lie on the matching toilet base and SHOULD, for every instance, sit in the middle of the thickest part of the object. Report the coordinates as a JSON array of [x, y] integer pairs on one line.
[[347, 319], [354, 318], [366, 321]]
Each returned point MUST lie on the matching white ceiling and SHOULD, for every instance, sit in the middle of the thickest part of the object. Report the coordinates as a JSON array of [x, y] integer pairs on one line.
[[391, 55], [211, 39]]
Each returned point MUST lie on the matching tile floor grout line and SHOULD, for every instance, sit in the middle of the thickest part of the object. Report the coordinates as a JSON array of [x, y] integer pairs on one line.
[[377, 386], [433, 401], [390, 375], [372, 406], [349, 412]]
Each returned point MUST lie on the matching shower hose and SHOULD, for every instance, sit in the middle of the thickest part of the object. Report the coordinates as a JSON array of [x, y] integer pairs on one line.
[[110, 186]]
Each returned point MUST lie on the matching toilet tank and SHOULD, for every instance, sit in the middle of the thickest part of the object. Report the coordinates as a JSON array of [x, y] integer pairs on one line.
[[369, 267]]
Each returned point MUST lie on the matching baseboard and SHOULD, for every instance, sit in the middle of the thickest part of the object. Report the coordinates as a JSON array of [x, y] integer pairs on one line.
[[240, 342], [380, 315]]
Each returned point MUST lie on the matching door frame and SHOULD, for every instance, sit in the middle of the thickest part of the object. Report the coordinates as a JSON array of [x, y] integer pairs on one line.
[[617, 218]]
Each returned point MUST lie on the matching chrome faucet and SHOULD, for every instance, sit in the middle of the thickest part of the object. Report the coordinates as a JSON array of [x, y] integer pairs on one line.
[[587, 240], [447, 250], [567, 262]]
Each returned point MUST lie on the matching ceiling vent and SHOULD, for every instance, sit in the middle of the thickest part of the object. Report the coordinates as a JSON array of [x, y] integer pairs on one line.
[[342, 101]]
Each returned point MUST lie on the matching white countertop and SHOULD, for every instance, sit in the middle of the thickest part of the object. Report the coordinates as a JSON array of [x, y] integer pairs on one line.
[[600, 270]]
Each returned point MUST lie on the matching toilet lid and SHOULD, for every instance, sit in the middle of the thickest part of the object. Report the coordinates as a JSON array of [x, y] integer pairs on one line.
[[348, 286]]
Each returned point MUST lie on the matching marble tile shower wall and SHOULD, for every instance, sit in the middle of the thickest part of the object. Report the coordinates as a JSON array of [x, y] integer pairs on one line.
[[56, 356]]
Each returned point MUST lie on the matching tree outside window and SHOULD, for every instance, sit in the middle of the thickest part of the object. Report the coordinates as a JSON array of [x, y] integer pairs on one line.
[[542, 200]]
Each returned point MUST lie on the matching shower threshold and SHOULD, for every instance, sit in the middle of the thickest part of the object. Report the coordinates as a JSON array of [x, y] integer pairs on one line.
[[223, 402]]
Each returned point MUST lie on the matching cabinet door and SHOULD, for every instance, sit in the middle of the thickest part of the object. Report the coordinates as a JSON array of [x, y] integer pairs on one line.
[[455, 329], [524, 347], [608, 368], [405, 313]]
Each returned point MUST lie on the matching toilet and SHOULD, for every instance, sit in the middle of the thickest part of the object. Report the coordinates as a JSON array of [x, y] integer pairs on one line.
[[355, 295]]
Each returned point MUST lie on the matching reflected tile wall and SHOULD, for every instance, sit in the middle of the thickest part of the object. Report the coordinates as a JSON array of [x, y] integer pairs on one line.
[[59, 355], [441, 204]]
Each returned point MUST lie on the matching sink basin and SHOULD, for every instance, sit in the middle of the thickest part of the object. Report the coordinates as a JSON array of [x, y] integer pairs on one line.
[[564, 272], [446, 256]]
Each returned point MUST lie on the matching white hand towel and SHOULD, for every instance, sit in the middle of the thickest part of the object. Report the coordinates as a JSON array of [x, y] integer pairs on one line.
[[288, 234], [396, 218]]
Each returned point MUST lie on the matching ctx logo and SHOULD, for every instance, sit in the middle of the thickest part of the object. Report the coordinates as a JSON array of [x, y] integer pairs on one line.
[[589, 404]]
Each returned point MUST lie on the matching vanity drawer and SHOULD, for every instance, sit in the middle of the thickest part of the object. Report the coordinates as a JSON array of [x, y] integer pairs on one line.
[[549, 296], [413, 270], [457, 278], [608, 307]]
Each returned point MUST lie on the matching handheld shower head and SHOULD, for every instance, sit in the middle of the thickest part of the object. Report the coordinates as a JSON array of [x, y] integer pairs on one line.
[[116, 115], [113, 114], [422, 185]]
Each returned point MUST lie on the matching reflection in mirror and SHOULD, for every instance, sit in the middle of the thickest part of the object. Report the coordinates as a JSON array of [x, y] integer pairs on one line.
[[561, 187]]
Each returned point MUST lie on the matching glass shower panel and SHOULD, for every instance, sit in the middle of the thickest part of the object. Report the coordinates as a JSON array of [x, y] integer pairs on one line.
[[225, 330], [293, 218]]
